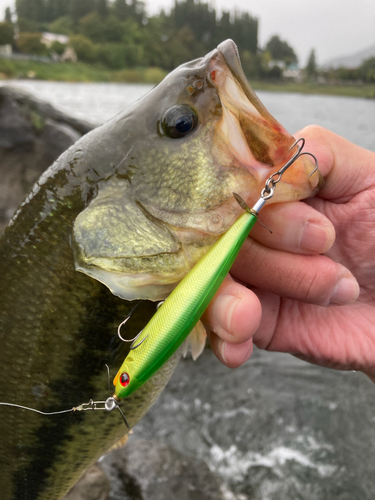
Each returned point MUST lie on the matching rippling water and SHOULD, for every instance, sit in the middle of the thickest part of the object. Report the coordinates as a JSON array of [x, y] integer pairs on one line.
[[276, 428], [352, 118]]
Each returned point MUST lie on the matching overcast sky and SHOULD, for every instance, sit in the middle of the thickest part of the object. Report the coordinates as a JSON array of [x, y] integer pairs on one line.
[[333, 27]]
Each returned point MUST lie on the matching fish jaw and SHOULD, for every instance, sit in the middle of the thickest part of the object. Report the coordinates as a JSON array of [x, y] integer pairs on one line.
[[251, 137]]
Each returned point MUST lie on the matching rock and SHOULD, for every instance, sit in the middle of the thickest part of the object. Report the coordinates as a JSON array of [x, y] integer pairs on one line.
[[33, 135], [152, 470], [93, 485]]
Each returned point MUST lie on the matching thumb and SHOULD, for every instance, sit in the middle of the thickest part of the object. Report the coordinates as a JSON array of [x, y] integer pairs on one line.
[[347, 169]]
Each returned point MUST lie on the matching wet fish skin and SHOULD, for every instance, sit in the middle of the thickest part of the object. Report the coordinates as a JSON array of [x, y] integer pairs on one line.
[[58, 326]]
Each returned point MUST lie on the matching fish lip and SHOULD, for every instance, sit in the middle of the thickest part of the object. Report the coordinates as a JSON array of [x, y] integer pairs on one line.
[[229, 51]]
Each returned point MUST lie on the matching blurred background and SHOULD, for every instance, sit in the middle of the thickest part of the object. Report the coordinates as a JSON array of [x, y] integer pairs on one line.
[[318, 42], [277, 428]]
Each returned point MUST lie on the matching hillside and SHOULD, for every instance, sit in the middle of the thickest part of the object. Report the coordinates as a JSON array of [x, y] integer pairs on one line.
[[350, 61]]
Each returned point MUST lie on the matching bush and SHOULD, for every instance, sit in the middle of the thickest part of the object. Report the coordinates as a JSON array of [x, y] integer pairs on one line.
[[6, 33], [83, 47], [30, 43], [154, 75], [119, 55], [58, 47]]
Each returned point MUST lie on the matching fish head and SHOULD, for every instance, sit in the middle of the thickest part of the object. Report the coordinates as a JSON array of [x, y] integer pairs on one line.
[[174, 159]]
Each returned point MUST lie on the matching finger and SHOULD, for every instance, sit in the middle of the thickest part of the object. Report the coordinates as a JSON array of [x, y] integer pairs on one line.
[[309, 278], [296, 227], [231, 355], [234, 313], [347, 168]]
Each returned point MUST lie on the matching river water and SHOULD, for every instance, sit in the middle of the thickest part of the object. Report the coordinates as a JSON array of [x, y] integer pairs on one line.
[[352, 118], [276, 428]]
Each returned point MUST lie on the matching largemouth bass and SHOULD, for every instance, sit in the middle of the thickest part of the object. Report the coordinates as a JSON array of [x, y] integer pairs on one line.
[[114, 223]]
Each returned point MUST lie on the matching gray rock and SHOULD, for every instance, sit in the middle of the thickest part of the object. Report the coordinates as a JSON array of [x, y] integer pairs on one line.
[[33, 135], [93, 485], [152, 470]]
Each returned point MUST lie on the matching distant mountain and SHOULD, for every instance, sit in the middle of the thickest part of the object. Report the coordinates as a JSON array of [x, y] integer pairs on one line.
[[351, 61]]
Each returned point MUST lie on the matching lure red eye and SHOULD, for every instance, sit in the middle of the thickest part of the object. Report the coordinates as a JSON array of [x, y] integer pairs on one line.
[[124, 379]]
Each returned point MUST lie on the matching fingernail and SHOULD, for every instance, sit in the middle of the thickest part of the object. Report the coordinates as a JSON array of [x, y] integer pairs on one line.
[[222, 349], [315, 238], [224, 307], [346, 291]]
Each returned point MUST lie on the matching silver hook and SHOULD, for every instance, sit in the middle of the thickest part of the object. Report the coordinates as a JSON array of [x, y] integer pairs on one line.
[[133, 345], [269, 188]]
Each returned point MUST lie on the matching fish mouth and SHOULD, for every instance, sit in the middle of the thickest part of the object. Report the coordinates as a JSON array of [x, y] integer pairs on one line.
[[249, 135]]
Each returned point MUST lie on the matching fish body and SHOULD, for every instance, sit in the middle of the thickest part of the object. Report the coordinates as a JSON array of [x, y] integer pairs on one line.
[[118, 220]]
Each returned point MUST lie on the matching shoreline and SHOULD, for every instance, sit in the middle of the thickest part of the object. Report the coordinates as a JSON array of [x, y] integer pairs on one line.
[[11, 69]]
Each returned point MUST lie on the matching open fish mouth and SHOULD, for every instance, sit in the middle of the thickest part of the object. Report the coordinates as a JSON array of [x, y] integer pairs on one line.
[[250, 135]]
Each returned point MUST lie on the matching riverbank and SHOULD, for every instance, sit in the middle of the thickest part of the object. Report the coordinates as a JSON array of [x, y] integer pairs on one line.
[[366, 91], [76, 72], [87, 73]]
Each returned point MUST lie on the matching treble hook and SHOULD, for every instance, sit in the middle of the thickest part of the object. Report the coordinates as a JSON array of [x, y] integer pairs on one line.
[[271, 182], [133, 345]]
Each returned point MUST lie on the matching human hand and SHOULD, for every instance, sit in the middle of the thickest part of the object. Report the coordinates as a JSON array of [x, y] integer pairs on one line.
[[320, 308]]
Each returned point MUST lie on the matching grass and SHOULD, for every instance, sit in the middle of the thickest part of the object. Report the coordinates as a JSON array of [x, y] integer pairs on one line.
[[81, 72], [76, 72], [365, 91]]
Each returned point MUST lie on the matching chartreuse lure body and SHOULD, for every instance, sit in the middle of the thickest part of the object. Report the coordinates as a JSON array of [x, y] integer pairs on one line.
[[180, 312]]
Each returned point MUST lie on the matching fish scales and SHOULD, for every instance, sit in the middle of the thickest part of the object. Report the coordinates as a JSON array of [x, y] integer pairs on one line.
[[95, 237], [56, 342]]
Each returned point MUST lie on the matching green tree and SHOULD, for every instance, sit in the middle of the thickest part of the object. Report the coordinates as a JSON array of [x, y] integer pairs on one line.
[[311, 68], [119, 55], [83, 47], [200, 20], [102, 8], [101, 30], [245, 32], [30, 43], [28, 26], [91, 26], [63, 25], [366, 71], [81, 8], [281, 50], [6, 33], [8, 15], [55, 9], [137, 10], [155, 39], [249, 63], [33, 10], [121, 9]]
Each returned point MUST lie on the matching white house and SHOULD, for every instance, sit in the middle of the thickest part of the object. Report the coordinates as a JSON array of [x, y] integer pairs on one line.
[[6, 50], [49, 38]]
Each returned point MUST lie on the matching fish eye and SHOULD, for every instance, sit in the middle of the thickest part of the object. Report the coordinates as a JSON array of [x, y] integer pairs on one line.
[[179, 121], [124, 379]]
